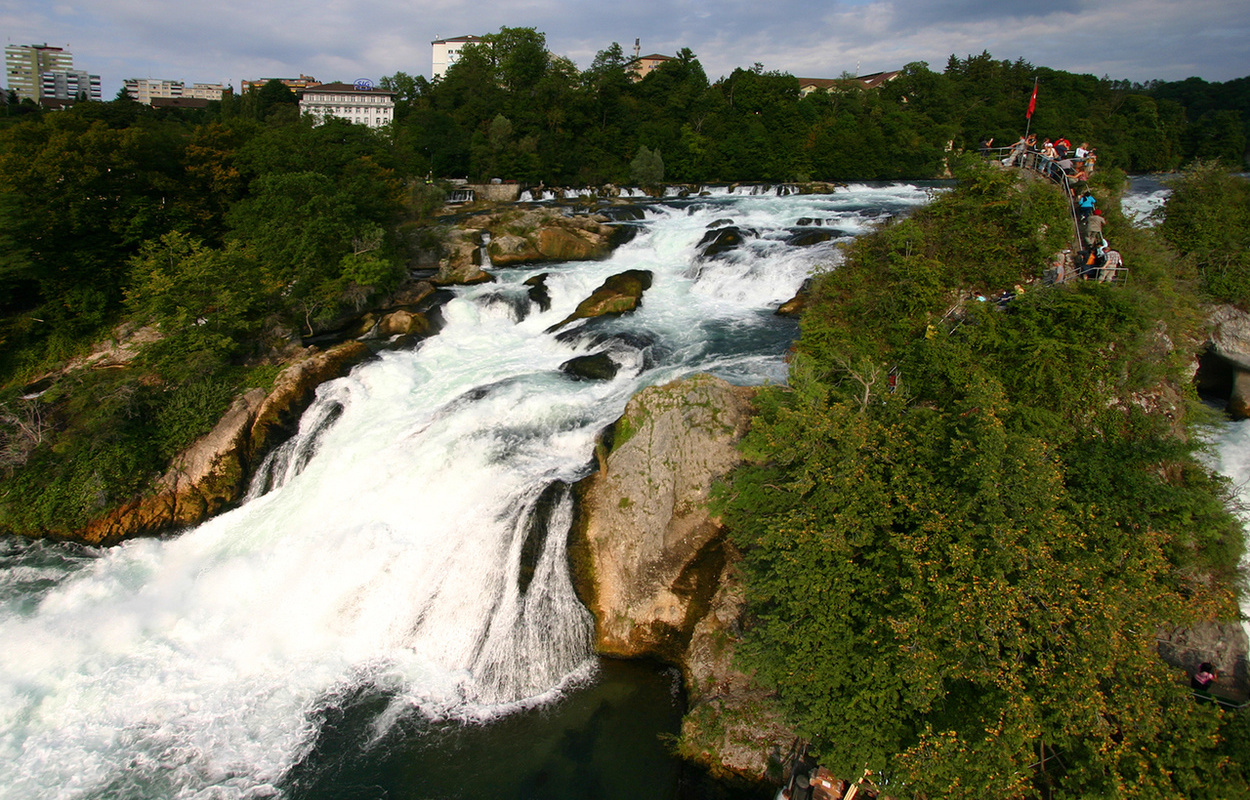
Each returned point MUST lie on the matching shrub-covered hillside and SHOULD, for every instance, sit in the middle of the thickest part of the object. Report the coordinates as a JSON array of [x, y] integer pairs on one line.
[[965, 523]]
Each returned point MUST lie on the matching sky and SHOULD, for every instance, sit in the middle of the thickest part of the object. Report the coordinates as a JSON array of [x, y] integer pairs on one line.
[[227, 41]]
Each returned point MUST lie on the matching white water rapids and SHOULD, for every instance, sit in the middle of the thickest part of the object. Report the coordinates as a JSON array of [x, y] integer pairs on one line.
[[192, 666]]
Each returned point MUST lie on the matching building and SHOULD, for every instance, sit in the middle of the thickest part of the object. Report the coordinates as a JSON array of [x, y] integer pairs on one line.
[[642, 66], [68, 86], [147, 90], [294, 84], [25, 65], [447, 51], [204, 91], [359, 103], [873, 81]]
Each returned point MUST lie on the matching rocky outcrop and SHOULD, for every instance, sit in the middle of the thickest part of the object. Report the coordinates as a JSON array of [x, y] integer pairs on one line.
[[719, 241], [619, 294], [517, 237], [1223, 644], [462, 264], [597, 367], [657, 572], [733, 725], [211, 475], [795, 305], [1229, 342]]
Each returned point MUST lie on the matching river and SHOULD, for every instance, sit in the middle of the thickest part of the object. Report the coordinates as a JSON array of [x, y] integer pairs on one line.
[[361, 629]]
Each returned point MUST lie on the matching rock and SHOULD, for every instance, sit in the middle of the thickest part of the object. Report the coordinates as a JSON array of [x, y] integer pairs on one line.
[[211, 474], [795, 305], [649, 539], [205, 478], [1230, 335], [564, 244], [538, 291], [1224, 644], [619, 294], [402, 323], [598, 367], [462, 264], [658, 575], [294, 390], [1239, 398], [542, 235], [410, 293], [509, 249], [719, 241], [733, 724], [809, 238]]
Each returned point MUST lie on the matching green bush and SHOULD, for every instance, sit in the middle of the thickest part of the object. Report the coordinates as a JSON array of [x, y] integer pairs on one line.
[[955, 569], [1207, 219]]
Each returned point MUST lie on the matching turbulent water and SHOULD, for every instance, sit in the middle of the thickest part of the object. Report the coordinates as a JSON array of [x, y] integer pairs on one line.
[[408, 546]]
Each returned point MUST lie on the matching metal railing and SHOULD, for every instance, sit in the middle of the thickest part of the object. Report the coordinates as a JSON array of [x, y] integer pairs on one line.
[[1049, 168]]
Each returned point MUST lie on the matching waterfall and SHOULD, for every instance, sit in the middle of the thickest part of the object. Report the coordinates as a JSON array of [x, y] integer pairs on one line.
[[411, 537]]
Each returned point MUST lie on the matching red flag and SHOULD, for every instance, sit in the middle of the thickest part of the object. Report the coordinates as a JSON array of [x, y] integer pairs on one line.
[[1032, 102]]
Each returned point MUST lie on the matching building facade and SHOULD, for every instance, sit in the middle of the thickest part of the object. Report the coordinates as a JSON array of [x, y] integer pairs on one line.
[[447, 51], [294, 84], [642, 66], [146, 90], [69, 86], [354, 103], [25, 65]]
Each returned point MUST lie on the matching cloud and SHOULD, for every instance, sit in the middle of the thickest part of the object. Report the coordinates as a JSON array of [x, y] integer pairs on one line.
[[340, 40]]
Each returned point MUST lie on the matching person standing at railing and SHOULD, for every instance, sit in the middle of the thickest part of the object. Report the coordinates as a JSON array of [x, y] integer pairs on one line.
[[986, 143], [1085, 206], [1016, 157]]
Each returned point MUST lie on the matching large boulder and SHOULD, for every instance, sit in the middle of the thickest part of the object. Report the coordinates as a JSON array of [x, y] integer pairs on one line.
[[212, 474], [619, 294], [649, 539], [719, 241], [462, 262], [294, 390], [657, 573], [1230, 335], [544, 235]]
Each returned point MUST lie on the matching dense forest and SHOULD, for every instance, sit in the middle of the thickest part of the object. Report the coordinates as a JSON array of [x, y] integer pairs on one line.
[[965, 522]]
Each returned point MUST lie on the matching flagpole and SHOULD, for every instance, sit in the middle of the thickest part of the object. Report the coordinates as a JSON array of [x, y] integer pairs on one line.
[[1032, 105]]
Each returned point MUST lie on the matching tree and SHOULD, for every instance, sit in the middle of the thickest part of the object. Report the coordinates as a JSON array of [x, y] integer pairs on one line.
[[647, 168], [1207, 218]]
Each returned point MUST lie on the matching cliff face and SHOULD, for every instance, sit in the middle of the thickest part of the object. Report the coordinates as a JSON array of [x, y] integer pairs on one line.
[[658, 573], [212, 474]]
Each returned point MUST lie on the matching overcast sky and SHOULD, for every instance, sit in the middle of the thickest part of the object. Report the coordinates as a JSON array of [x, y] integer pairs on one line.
[[231, 40]]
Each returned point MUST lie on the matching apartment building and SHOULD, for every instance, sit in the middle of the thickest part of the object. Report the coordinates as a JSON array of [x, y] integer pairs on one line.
[[26, 64], [146, 90], [69, 86]]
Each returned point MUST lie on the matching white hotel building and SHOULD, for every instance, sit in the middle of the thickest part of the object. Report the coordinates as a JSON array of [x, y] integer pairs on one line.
[[372, 107]]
